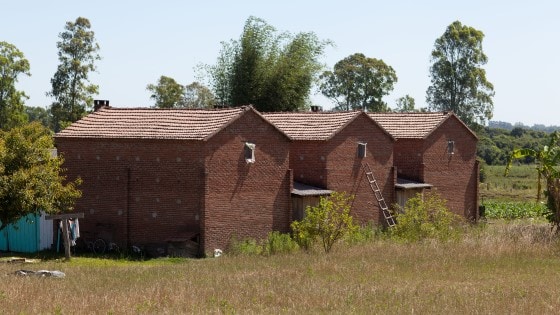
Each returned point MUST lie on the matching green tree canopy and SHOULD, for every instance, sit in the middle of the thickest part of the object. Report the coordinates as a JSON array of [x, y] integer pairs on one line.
[[77, 53], [12, 65], [167, 93], [273, 71], [198, 96], [358, 82], [31, 177], [405, 104], [459, 82], [39, 114]]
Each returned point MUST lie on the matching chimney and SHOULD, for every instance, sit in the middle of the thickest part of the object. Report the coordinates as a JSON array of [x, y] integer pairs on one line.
[[316, 108], [98, 104]]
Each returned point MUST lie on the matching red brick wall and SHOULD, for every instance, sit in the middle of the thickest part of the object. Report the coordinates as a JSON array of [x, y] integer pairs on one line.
[[147, 191], [246, 200], [454, 176], [308, 160], [409, 158], [138, 192], [338, 167]]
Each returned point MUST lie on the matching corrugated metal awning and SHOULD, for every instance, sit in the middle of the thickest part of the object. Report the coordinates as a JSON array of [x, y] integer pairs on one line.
[[410, 184], [306, 190]]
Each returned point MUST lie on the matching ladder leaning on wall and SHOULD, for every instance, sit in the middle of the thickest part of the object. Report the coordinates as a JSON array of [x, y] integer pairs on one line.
[[389, 218]]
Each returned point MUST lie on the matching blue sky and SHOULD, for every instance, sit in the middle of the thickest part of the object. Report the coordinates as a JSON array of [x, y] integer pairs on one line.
[[142, 40]]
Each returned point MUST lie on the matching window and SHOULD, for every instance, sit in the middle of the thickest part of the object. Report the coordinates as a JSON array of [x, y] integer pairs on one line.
[[450, 147], [362, 149], [249, 152]]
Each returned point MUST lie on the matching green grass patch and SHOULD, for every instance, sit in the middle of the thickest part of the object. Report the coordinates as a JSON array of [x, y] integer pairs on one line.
[[519, 185]]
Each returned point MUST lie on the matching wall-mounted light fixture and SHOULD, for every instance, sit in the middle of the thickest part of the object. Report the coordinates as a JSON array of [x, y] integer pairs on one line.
[[450, 147]]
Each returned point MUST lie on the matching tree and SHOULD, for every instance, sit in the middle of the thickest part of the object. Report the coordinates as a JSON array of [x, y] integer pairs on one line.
[[12, 65], [273, 72], [358, 82], [77, 53], [548, 160], [197, 95], [220, 74], [167, 93], [459, 82], [329, 221], [31, 177], [405, 104], [38, 114]]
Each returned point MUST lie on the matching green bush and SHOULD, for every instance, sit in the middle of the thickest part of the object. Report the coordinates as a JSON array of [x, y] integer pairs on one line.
[[246, 246], [328, 222], [275, 243], [426, 218], [279, 243], [363, 234]]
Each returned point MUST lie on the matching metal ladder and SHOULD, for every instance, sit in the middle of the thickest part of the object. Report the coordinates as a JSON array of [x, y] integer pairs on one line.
[[389, 218]]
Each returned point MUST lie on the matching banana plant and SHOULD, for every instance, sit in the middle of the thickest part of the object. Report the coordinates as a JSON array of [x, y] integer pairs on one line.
[[548, 160]]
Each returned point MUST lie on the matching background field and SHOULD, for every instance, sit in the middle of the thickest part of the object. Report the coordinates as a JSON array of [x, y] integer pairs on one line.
[[519, 185]]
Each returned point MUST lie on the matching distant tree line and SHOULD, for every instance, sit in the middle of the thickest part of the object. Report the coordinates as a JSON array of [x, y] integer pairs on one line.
[[510, 126], [495, 145]]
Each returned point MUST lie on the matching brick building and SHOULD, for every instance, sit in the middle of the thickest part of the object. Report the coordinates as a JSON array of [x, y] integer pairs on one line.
[[437, 151], [151, 176], [328, 151]]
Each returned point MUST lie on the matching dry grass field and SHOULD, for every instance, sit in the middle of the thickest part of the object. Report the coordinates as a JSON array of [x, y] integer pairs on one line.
[[496, 268]]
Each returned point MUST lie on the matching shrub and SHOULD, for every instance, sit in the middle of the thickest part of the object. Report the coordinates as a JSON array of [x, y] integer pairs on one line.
[[248, 246], [279, 243], [275, 243], [329, 221], [363, 234], [426, 218]]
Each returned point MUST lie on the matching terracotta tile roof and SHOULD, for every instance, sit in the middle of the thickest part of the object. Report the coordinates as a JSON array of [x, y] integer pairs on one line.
[[310, 125], [409, 125], [150, 123]]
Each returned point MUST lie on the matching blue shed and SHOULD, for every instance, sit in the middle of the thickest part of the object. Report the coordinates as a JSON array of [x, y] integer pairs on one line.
[[29, 235]]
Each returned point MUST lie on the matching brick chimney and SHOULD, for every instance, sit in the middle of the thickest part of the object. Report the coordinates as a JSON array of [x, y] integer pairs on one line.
[[98, 104], [316, 108]]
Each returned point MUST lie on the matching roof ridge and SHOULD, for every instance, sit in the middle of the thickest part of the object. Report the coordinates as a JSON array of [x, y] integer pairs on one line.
[[110, 108], [154, 123]]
